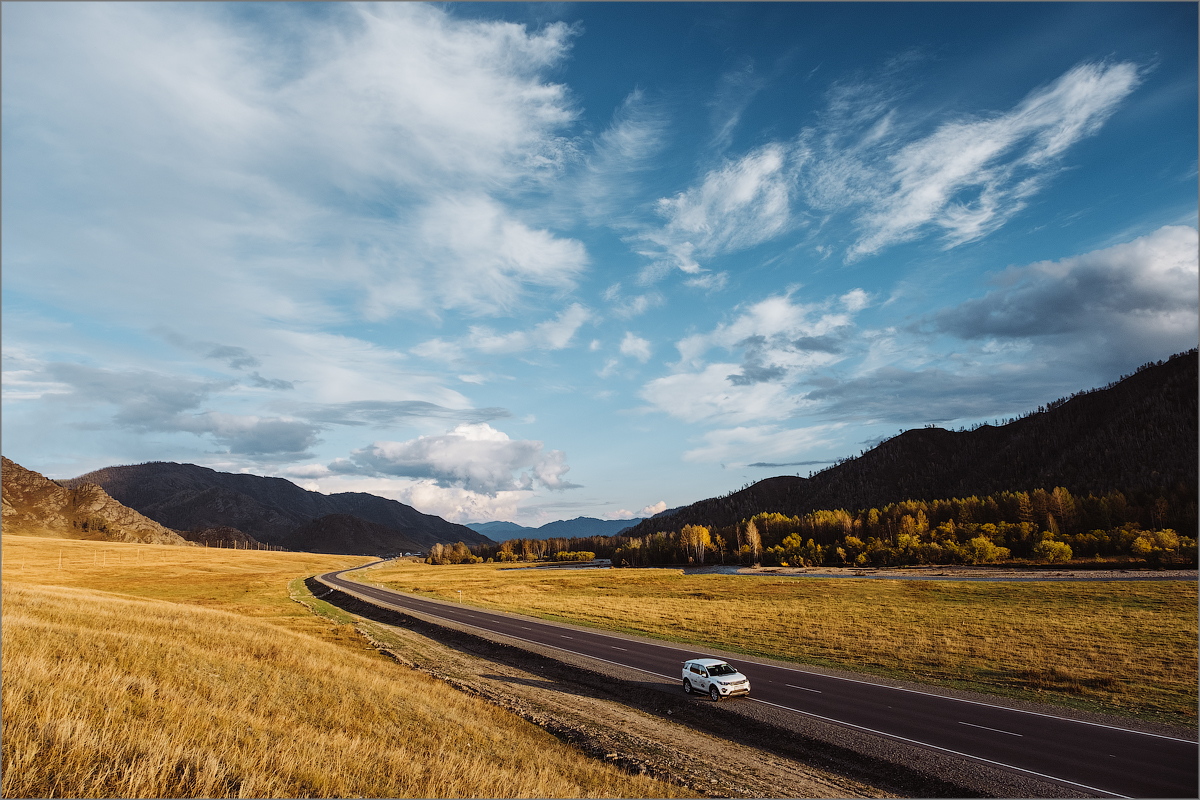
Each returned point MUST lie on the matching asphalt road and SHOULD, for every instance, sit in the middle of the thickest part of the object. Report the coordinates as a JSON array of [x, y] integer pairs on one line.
[[1093, 758]]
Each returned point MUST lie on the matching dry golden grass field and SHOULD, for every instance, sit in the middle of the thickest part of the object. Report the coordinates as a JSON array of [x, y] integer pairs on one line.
[[1119, 647], [153, 671]]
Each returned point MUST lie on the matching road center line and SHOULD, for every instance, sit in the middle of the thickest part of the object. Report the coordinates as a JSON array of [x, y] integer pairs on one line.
[[614, 647], [986, 728], [805, 688]]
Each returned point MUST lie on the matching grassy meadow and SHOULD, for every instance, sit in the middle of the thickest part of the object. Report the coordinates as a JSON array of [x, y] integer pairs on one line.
[[1119, 647], [153, 671]]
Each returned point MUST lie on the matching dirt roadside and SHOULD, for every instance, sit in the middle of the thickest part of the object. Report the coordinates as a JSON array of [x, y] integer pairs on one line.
[[543, 693]]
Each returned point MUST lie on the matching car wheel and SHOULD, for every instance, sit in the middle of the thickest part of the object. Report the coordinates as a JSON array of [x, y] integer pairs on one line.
[[714, 693], [687, 686]]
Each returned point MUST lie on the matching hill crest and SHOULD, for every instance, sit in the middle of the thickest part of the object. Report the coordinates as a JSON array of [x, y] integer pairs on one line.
[[34, 505], [189, 497], [1139, 433]]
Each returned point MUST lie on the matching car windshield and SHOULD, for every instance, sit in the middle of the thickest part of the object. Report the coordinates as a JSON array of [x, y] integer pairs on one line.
[[721, 669]]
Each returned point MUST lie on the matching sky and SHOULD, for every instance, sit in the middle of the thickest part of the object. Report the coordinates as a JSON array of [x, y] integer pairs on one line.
[[532, 262]]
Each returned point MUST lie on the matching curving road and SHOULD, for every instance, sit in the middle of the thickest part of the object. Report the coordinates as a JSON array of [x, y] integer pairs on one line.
[[1089, 757]]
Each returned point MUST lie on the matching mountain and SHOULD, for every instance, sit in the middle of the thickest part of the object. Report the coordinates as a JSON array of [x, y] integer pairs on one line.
[[272, 510], [577, 528], [1139, 434], [223, 536], [349, 535], [501, 530], [37, 506]]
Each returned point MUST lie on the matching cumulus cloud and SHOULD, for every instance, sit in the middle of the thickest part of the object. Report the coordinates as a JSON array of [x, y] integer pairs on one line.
[[635, 347], [473, 456], [709, 396], [651, 510]]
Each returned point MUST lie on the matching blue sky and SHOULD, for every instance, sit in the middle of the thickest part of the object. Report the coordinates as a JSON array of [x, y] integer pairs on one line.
[[533, 262]]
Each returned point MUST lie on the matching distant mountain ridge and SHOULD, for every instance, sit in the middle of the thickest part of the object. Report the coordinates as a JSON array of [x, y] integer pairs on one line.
[[578, 528], [1139, 434], [272, 510], [32, 504]]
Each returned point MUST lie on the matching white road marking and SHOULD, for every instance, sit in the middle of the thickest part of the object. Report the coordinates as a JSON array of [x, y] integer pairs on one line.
[[938, 747], [853, 680], [614, 647], [805, 688], [986, 728]]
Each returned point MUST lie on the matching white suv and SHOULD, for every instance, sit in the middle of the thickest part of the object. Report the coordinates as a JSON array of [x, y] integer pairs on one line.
[[715, 677]]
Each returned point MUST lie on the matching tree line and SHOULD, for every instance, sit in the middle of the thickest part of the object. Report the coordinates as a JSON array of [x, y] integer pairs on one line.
[[1045, 526]]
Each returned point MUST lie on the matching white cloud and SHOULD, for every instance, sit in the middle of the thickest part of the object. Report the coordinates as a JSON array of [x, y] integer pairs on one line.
[[777, 320], [631, 306], [709, 396], [855, 300], [622, 152], [477, 257], [287, 170], [651, 510], [971, 176], [610, 367], [709, 281], [781, 341], [452, 503], [965, 180], [758, 442], [636, 347], [741, 204], [553, 334], [475, 457], [438, 350]]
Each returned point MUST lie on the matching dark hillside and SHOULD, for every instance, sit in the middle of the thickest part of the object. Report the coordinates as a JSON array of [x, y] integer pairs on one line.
[[188, 497], [1137, 435], [344, 534]]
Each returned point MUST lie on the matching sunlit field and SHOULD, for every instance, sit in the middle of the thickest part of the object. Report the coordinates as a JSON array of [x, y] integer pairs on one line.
[[153, 671], [1122, 647]]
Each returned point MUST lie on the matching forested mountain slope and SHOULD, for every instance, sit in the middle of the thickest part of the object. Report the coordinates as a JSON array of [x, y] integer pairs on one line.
[[272, 510], [1139, 434]]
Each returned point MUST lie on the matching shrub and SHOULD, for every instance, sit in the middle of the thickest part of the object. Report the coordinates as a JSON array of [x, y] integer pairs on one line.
[[981, 550], [1050, 550]]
